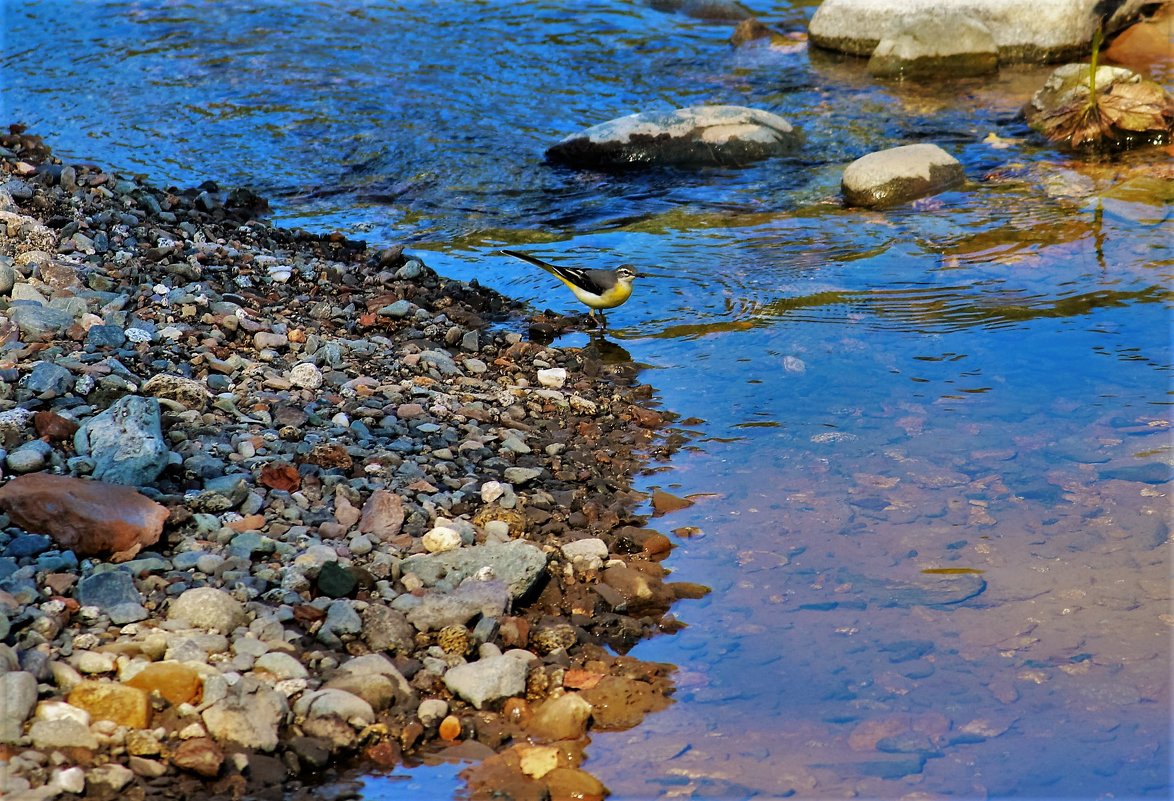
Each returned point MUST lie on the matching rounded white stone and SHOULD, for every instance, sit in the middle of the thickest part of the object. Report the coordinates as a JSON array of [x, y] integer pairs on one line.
[[555, 377], [306, 376], [441, 539]]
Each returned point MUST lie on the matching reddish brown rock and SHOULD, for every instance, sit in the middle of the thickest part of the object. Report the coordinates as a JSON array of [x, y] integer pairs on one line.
[[383, 515], [200, 755], [92, 518]]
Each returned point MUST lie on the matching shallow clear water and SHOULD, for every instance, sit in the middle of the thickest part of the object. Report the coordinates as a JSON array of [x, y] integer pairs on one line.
[[979, 382]]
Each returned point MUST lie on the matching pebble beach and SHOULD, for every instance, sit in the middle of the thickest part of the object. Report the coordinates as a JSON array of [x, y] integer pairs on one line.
[[276, 504]]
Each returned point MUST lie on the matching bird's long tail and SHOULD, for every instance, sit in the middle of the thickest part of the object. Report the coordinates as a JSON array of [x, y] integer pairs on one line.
[[526, 257]]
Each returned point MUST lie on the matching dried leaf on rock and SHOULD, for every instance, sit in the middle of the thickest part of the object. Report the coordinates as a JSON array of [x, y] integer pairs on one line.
[[1141, 106]]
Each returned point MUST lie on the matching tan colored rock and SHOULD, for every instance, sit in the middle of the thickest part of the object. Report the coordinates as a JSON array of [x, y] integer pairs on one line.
[[565, 784], [92, 518], [562, 718], [110, 700], [187, 392], [175, 682]]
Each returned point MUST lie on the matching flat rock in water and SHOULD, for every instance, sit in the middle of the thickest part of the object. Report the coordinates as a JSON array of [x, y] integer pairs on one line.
[[516, 563], [900, 174], [1023, 31], [701, 135], [92, 518]]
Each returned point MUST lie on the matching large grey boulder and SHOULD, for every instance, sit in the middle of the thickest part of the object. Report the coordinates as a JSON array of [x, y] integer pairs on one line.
[[938, 44], [1024, 30], [900, 174], [698, 135], [517, 564], [126, 442]]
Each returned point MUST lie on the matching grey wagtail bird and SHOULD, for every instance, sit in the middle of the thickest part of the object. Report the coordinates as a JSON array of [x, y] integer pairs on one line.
[[596, 289]]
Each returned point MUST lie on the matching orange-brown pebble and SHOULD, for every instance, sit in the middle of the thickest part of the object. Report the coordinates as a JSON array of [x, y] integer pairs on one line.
[[450, 728]]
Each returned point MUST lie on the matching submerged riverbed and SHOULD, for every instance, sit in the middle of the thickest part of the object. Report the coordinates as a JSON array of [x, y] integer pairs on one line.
[[928, 448]]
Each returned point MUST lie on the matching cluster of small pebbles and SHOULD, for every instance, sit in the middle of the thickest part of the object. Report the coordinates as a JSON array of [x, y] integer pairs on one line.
[[274, 503]]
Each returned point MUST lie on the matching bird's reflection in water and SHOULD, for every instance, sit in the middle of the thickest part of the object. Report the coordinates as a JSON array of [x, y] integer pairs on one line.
[[606, 351]]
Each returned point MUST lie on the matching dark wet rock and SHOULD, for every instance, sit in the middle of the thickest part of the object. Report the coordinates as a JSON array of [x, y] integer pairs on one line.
[[126, 442], [724, 135], [90, 517], [710, 10], [900, 174], [930, 47], [1024, 31], [336, 581]]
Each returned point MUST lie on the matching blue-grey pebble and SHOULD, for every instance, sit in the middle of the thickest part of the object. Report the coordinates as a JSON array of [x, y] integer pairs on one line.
[[48, 377], [23, 546], [108, 589]]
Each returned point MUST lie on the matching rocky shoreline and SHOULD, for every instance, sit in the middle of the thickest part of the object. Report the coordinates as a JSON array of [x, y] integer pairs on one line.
[[274, 503]]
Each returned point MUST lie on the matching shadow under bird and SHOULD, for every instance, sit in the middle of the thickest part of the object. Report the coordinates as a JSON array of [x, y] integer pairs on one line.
[[596, 289]]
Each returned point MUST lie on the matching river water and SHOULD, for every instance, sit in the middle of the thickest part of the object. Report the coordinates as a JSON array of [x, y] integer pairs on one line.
[[929, 449]]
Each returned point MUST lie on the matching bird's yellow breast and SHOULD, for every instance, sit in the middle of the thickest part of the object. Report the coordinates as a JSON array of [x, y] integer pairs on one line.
[[608, 300]]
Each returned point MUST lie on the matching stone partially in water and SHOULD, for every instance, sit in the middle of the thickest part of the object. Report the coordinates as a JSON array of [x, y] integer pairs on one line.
[[1024, 31], [725, 135], [900, 174], [932, 46]]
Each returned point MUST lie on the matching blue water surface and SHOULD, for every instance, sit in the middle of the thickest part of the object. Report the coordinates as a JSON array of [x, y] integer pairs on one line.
[[978, 382]]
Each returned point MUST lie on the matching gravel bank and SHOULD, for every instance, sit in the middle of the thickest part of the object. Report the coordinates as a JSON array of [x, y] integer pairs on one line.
[[275, 503]]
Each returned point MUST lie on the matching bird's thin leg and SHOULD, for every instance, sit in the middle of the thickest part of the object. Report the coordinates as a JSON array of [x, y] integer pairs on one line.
[[602, 321]]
